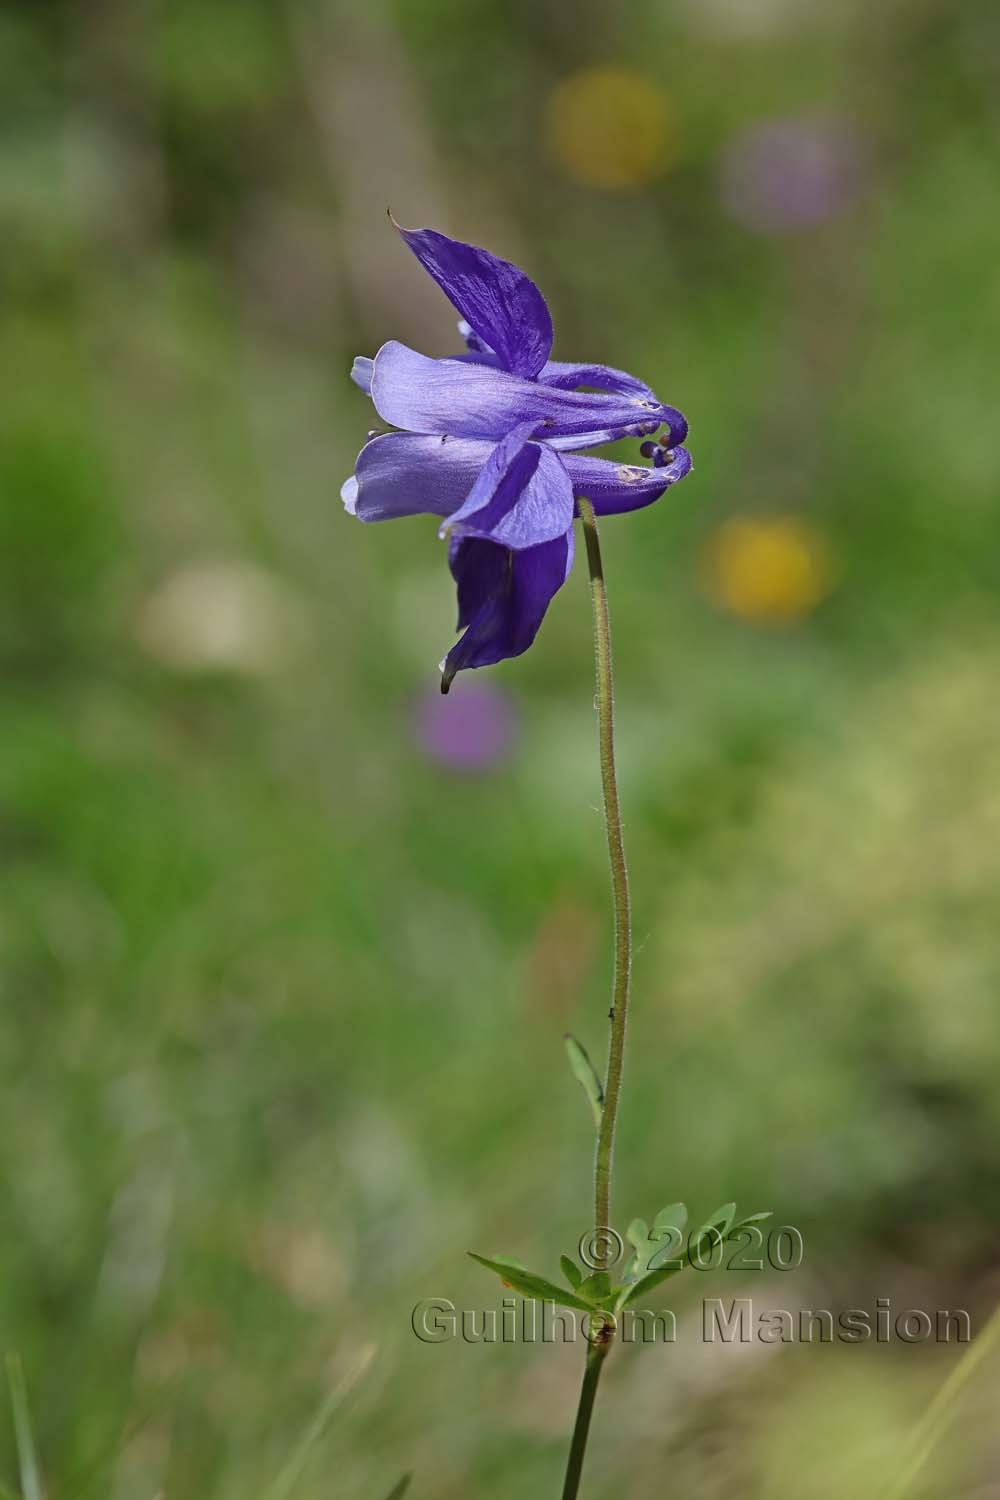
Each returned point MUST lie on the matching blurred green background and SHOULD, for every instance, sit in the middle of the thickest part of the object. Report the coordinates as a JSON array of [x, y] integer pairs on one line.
[[287, 956]]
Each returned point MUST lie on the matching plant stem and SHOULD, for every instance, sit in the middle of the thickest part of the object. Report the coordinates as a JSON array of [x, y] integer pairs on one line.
[[605, 701], [596, 1355], [619, 881]]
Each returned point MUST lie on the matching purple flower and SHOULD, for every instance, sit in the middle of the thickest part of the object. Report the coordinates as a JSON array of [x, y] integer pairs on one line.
[[489, 441], [791, 174], [474, 731]]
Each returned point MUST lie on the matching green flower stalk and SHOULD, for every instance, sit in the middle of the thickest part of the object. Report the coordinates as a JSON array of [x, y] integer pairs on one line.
[[603, 1338]]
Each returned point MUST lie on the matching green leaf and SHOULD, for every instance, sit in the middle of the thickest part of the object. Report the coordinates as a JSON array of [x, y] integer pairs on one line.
[[586, 1076], [651, 1244], [571, 1271], [721, 1221], [674, 1216], [637, 1234], [713, 1232], [530, 1285], [652, 1278], [596, 1288], [752, 1219]]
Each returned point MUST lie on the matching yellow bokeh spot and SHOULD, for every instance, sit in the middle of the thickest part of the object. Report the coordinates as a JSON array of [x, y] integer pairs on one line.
[[610, 128], [772, 570]]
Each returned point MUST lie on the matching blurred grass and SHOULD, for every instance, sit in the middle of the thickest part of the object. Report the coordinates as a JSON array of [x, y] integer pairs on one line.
[[284, 998]]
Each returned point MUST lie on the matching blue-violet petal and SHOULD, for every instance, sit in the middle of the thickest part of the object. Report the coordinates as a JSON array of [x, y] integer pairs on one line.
[[502, 598], [500, 303], [469, 398], [522, 495]]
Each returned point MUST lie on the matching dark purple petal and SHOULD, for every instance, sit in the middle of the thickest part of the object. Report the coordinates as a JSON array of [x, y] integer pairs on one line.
[[482, 570], [600, 437], [676, 423], [601, 377], [469, 398], [607, 378], [405, 474], [502, 598], [615, 488], [521, 497], [498, 301]]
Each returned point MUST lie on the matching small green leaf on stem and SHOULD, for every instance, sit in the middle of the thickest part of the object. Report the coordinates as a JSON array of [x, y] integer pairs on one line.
[[586, 1076], [638, 1236], [529, 1284], [596, 1288], [571, 1271], [652, 1279], [721, 1221], [720, 1226], [674, 1216], [637, 1233]]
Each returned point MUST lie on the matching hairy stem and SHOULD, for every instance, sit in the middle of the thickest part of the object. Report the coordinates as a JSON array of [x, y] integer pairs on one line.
[[618, 1015], [619, 883]]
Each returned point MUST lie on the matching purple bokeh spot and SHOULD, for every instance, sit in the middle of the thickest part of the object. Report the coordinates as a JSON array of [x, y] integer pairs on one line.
[[782, 175], [471, 729]]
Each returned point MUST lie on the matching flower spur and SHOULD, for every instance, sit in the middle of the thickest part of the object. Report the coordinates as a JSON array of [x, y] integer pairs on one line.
[[490, 441]]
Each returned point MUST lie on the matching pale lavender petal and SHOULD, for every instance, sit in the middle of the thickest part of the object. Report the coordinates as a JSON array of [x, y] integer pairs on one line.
[[469, 398], [614, 488], [605, 378], [500, 303], [600, 435], [502, 598], [361, 373], [521, 497], [405, 474]]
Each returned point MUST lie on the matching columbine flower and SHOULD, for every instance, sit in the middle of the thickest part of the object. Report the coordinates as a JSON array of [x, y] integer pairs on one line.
[[488, 441]]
